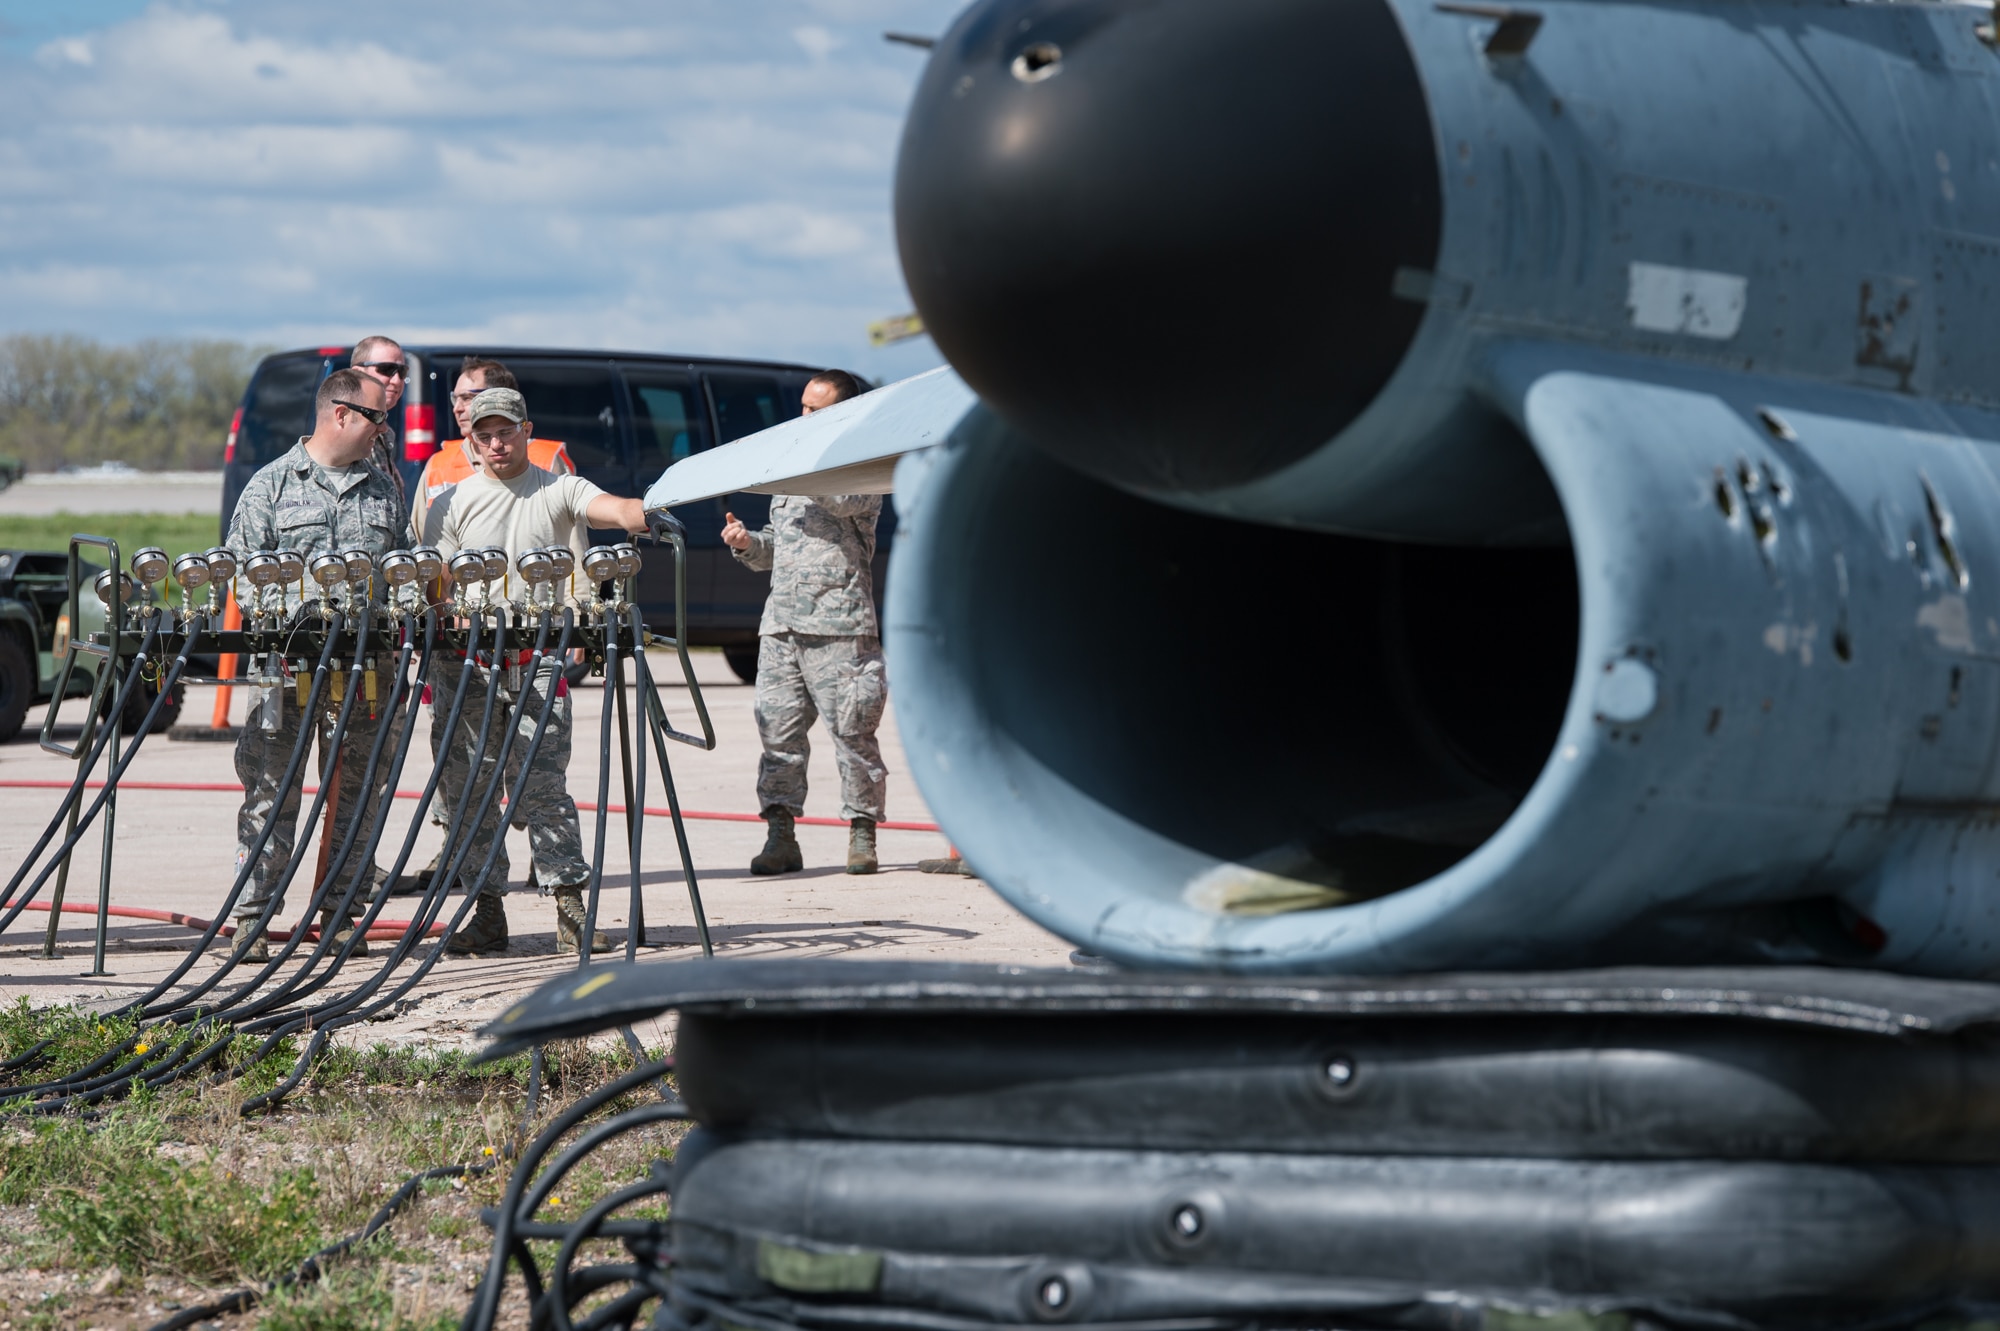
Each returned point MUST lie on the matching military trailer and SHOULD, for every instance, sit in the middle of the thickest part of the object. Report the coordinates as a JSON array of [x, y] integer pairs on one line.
[[35, 631]]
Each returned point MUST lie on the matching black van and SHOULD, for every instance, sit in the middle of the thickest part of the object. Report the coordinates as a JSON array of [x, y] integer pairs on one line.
[[624, 417]]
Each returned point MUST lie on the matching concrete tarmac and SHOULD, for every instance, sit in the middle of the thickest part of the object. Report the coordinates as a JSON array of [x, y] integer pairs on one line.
[[113, 492], [175, 851]]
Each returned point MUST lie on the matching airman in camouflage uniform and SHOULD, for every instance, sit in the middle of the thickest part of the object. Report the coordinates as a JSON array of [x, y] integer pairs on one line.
[[819, 655], [321, 497]]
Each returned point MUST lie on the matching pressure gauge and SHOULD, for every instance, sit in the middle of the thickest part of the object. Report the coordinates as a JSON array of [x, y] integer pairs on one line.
[[360, 566], [261, 568], [149, 565], [469, 566], [430, 564], [600, 563], [329, 571], [496, 562], [221, 563], [535, 566], [398, 568], [628, 560], [291, 568], [562, 562], [191, 572], [126, 589]]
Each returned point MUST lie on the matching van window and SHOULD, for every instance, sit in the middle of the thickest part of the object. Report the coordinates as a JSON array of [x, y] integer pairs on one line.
[[279, 407], [747, 403], [667, 420], [574, 401]]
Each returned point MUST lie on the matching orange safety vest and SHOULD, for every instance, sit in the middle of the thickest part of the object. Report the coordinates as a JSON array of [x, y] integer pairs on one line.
[[454, 462]]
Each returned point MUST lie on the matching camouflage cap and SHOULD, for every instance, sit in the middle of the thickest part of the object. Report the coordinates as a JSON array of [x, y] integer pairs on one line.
[[498, 402]]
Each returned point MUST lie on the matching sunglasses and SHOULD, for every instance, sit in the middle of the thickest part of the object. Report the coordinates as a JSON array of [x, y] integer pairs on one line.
[[374, 414], [388, 369]]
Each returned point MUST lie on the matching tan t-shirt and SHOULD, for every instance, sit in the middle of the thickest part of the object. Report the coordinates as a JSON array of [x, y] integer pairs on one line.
[[534, 510]]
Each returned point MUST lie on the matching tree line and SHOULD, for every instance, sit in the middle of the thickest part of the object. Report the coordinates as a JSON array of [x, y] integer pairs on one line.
[[159, 405]]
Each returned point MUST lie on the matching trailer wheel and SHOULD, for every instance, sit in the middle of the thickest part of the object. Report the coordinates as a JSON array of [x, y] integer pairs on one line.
[[17, 686]]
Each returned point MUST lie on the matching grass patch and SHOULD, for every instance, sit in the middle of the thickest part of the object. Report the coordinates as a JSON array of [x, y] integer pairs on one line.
[[176, 533], [74, 1035], [347, 1299], [199, 1221], [185, 1197], [65, 1153]]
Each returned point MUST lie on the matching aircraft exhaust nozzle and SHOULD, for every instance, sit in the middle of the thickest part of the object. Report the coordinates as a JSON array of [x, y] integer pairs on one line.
[[1717, 722], [1093, 198]]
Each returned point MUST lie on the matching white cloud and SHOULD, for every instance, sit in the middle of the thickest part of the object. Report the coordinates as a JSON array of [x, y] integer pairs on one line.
[[815, 41], [67, 51], [713, 180]]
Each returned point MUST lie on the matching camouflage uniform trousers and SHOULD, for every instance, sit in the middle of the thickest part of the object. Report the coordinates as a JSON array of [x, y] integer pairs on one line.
[[801, 676], [260, 763], [555, 840]]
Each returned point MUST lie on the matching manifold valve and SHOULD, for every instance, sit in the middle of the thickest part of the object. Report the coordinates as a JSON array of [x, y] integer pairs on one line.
[[102, 585], [149, 565], [191, 572]]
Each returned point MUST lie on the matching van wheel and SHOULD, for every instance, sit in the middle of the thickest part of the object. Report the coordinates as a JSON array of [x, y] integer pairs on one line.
[[742, 658], [17, 686]]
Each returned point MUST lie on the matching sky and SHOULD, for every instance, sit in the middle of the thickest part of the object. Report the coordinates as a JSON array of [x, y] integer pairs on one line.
[[710, 177]]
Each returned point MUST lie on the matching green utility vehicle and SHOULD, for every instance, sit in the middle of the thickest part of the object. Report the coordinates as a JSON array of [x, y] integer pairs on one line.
[[35, 632]]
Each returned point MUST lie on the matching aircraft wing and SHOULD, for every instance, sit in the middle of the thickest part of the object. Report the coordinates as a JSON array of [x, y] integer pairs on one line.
[[846, 449]]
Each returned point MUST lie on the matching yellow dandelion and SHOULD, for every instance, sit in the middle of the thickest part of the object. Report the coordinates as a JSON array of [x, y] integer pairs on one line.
[[555, 1201], [487, 1150], [141, 1048]]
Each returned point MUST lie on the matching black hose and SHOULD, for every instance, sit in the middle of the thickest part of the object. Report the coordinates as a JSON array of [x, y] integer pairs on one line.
[[486, 1300], [76, 789], [142, 1005], [560, 1300]]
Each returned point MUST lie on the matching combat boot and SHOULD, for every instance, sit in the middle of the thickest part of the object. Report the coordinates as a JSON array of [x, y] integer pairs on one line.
[[418, 883], [781, 853], [485, 932], [341, 930], [257, 948], [861, 846], [569, 923]]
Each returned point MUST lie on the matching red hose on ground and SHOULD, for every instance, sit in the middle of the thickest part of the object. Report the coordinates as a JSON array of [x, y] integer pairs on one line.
[[382, 931], [652, 811]]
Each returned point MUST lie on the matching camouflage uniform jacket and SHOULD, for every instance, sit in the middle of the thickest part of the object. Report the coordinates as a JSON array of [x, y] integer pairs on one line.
[[820, 550], [296, 504]]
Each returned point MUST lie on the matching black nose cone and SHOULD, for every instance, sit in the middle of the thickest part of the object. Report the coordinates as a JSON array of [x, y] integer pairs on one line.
[[1160, 236]]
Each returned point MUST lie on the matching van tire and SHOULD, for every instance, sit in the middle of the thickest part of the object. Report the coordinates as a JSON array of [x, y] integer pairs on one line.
[[742, 658], [17, 685]]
